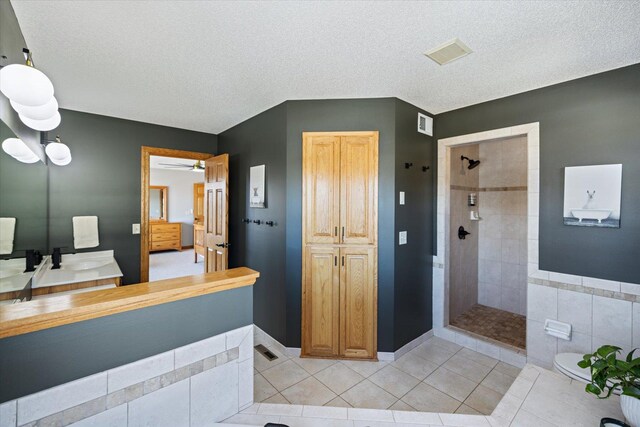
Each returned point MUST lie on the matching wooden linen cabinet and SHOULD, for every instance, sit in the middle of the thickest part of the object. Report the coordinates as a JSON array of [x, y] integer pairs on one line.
[[340, 244]]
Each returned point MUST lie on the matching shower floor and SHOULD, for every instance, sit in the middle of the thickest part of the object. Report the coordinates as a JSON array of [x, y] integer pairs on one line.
[[502, 326]]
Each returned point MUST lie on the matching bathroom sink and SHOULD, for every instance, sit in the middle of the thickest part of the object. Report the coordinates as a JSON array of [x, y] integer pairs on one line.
[[6, 273], [85, 265]]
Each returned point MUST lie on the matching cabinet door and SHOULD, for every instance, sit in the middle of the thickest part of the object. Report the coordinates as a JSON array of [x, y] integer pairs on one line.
[[358, 302], [321, 302], [321, 187], [359, 188]]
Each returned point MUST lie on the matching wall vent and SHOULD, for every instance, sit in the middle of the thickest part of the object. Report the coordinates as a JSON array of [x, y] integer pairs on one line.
[[425, 124], [448, 52]]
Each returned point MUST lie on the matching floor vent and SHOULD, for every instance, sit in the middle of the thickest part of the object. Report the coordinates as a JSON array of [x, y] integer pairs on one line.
[[265, 352]]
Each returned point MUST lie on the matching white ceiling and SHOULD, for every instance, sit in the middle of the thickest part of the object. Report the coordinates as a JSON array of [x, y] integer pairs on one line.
[[206, 65], [155, 162]]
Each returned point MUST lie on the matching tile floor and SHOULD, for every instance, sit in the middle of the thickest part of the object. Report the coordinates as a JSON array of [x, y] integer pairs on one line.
[[437, 376], [499, 325]]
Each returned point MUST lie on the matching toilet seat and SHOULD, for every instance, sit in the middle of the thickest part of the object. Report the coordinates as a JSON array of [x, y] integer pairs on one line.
[[567, 364]]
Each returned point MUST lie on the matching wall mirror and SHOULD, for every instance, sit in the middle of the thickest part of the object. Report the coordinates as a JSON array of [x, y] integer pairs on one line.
[[23, 196], [158, 203]]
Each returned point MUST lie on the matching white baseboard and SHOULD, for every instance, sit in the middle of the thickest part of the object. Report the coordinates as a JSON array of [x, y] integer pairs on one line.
[[411, 345], [261, 337]]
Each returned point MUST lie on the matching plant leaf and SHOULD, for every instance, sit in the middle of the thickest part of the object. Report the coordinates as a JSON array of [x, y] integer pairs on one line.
[[593, 389]]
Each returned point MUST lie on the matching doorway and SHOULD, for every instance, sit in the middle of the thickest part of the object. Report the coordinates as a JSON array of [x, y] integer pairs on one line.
[[184, 213], [488, 186]]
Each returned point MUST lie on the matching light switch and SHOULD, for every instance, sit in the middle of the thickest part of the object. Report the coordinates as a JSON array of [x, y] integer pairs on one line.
[[135, 229], [402, 238], [402, 197]]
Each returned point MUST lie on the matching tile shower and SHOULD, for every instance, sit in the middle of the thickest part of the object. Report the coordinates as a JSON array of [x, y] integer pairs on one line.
[[488, 268]]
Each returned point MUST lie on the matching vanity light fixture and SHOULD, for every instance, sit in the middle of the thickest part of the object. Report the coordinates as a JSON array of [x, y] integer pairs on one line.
[[17, 149], [31, 94], [58, 153]]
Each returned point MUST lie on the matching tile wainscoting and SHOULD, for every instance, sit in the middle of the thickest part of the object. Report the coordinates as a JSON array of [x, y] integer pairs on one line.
[[600, 312], [197, 384]]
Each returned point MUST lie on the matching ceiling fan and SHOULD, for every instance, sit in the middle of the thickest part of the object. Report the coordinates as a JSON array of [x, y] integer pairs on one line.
[[196, 167]]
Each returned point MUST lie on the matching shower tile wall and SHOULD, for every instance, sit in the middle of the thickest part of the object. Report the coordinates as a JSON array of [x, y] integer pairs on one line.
[[463, 254], [502, 248]]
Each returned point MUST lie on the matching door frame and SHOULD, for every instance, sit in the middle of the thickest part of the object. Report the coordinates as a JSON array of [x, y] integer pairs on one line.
[[145, 156]]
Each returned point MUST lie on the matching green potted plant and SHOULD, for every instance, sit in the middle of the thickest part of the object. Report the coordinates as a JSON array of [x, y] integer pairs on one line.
[[610, 374]]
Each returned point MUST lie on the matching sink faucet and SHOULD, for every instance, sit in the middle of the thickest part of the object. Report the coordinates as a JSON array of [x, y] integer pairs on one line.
[[56, 257]]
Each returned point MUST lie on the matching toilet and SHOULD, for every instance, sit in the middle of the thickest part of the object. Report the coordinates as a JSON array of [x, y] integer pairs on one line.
[[567, 364]]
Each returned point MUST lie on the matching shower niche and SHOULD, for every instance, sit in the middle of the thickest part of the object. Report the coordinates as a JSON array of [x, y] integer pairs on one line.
[[488, 267]]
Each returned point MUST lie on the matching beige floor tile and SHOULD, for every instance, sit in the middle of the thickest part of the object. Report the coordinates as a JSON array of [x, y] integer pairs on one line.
[[427, 399], [432, 353], [276, 398], [261, 363], [478, 357], [483, 400], [505, 368], [497, 381], [394, 381], [338, 402], [309, 392], [467, 410], [453, 384], [366, 369], [339, 378], [448, 345], [262, 390], [368, 395], [415, 366], [402, 406], [467, 368], [285, 375], [313, 366]]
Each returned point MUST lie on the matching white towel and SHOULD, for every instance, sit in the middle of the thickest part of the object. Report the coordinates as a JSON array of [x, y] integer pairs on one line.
[[85, 232], [7, 231]]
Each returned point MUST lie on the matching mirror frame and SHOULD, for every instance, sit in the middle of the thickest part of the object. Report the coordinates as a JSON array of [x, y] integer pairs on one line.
[[164, 191]]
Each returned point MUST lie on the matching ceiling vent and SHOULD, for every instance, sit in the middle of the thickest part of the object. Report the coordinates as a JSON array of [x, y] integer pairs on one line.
[[425, 124], [448, 52]]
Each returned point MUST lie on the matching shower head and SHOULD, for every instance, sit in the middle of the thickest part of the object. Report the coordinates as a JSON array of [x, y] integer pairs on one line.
[[472, 163]]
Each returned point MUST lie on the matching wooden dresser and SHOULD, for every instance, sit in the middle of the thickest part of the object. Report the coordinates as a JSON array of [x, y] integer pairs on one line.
[[165, 236]]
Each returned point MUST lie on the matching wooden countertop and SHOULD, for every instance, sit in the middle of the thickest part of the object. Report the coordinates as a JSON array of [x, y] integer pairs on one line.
[[22, 318]]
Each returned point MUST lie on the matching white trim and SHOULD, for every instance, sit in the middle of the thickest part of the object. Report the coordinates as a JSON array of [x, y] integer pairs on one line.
[[386, 356], [293, 351], [440, 275], [411, 345]]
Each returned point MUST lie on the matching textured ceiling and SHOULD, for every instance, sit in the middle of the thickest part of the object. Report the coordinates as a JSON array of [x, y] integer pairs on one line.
[[209, 65]]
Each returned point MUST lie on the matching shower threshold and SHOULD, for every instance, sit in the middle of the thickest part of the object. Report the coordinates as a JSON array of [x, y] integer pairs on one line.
[[495, 325]]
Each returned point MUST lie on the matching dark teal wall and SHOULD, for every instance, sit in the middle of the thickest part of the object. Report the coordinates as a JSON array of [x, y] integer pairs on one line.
[[23, 195], [37, 361], [104, 179], [589, 121], [413, 261], [260, 140]]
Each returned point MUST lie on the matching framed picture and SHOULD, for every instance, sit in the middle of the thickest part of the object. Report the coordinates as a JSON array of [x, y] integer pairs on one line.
[[592, 196], [257, 187]]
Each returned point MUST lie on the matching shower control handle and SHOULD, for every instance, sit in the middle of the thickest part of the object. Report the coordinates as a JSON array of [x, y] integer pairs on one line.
[[462, 233]]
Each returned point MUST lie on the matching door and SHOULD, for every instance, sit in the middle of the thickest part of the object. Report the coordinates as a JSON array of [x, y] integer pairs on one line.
[[321, 187], [198, 203], [321, 302], [216, 212], [358, 302], [359, 188]]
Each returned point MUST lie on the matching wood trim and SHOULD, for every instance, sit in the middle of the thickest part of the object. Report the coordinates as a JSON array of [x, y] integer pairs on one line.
[[165, 203], [18, 319], [145, 154], [46, 290]]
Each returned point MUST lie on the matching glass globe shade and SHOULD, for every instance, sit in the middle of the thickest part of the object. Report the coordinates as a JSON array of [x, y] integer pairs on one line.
[[25, 85], [17, 149], [62, 162], [41, 112], [42, 125], [57, 151]]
